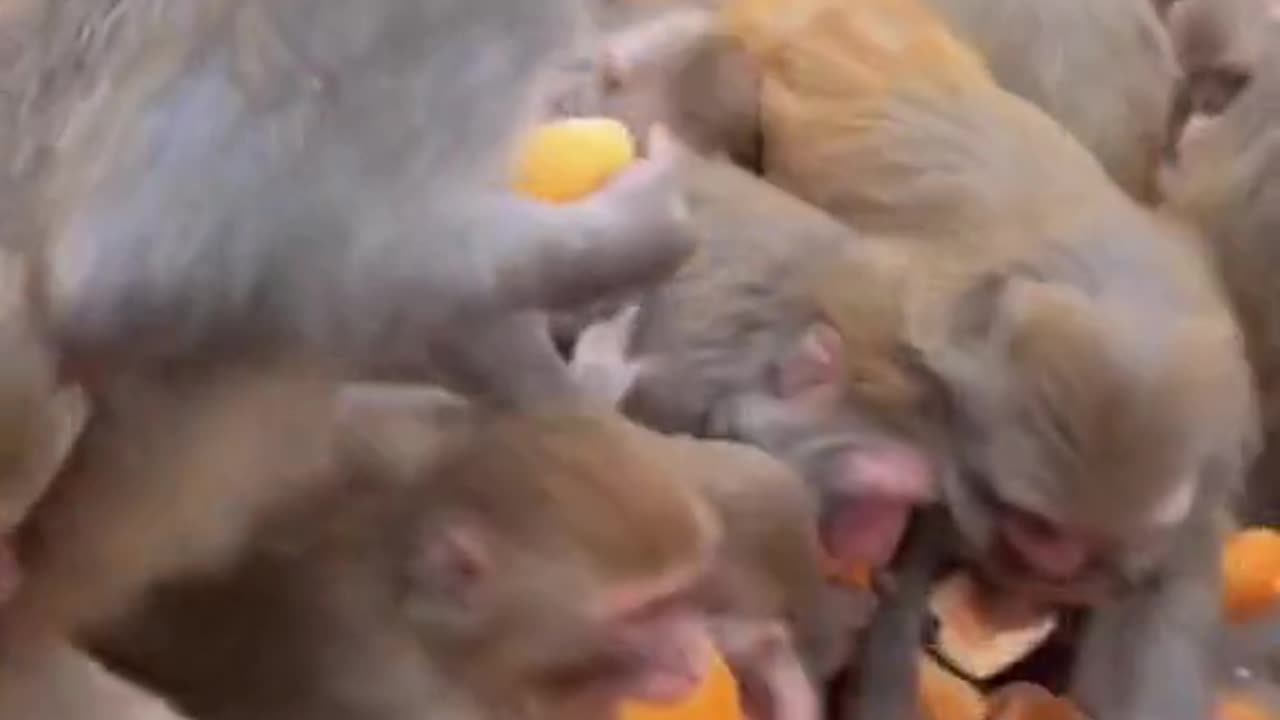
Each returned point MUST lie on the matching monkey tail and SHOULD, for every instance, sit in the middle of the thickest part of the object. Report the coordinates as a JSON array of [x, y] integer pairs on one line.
[[854, 49]]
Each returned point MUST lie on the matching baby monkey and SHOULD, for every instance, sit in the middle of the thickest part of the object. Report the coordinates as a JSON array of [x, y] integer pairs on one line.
[[543, 566]]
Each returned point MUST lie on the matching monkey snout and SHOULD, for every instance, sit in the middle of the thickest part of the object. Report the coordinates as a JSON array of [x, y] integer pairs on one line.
[[1047, 551]]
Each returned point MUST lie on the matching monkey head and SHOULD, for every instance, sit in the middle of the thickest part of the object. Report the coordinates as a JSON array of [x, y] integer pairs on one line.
[[868, 476], [1083, 428], [566, 557], [1220, 46]]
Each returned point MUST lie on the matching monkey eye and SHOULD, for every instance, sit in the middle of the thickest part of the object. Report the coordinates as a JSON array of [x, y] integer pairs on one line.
[[1214, 90]]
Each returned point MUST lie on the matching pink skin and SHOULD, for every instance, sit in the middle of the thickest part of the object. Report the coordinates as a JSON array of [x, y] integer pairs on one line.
[[880, 484], [772, 681], [663, 627]]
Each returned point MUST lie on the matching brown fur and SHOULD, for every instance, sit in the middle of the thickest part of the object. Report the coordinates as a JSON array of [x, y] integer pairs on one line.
[[352, 616], [1104, 69], [1226, 184]]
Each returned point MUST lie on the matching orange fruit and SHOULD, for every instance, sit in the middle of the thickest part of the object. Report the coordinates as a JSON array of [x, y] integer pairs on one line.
[[946, 696], [1238, 706], [566, 160], [1251, 574], [716, 699]]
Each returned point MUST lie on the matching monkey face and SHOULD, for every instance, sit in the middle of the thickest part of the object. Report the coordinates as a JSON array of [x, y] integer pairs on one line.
[[868, 480], [1051, 556], [1071, 511]]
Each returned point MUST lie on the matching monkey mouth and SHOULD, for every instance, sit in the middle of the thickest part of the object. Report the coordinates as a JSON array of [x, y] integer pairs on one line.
[[864, 529], [1011, 571]]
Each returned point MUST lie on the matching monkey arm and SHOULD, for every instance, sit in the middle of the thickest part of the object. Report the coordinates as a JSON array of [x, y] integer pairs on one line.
[[888, 671], [1148, 657]]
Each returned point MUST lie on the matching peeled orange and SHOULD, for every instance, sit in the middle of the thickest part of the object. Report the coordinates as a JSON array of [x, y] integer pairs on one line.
[[566, 160]]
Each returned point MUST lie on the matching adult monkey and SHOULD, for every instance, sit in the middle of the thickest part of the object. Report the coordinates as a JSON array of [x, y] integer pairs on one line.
[[1103, 69], [242, 201], [1096, 401], [1225, 182]]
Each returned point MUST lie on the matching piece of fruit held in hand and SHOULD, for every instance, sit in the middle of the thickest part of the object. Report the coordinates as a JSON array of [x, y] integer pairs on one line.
[[715, 699], [1251, 574], [565, 160]]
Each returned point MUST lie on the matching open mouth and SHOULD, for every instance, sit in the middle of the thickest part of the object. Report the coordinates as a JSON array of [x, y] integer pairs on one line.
[[1011, 570], [864, 530]]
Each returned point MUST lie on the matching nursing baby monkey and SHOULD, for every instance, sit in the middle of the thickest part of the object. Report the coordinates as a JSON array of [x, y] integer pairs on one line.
[[1012, 336], [523, 566], [242, 203]]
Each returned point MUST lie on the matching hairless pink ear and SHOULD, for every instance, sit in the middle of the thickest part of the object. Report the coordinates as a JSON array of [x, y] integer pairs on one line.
[[815, 361], [455, 560]]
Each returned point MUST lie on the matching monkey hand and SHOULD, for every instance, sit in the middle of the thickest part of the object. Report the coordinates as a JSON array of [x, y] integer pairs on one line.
[[600, 364], [646, 203]]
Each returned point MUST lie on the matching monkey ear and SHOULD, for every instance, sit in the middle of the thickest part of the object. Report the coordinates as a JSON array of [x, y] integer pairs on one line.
[[975, 315], [455, 560], [815, 361]]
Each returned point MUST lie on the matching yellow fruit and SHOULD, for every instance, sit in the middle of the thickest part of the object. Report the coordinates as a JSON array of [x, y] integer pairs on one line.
[[716, 699], [566, 160], [1251, 571]]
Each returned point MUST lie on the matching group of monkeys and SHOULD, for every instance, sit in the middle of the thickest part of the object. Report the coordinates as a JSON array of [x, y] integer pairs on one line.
[[306, 415]]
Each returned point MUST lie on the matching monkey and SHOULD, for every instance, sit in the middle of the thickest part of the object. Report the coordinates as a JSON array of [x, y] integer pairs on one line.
[[780, 626], [769, 579], [982, 269], [220, 195], [722, 350], [669, 64], [1104, 70], [543, 566], [303, 71], [709, 90], [1223, 185], [64, 684], [1218, 46], [1081, 462]]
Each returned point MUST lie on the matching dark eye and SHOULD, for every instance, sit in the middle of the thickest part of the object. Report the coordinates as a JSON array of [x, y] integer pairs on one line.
[[1212, 91]]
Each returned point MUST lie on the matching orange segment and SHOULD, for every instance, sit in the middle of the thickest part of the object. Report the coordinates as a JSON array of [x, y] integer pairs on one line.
[[716, 699], [1251, 574], [946, 696], [566, 160], [1025, 701]]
